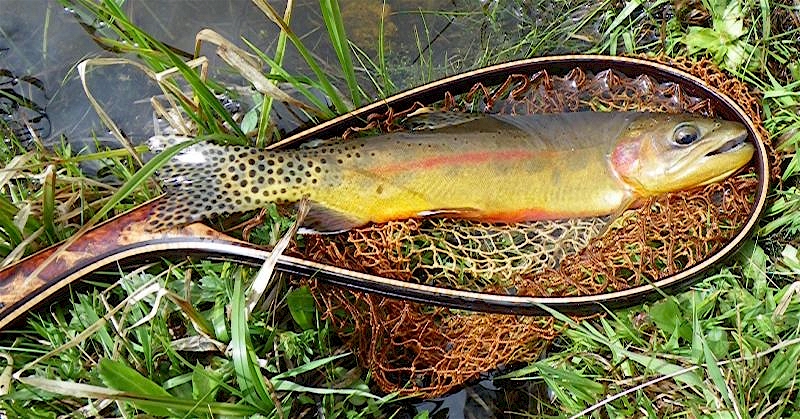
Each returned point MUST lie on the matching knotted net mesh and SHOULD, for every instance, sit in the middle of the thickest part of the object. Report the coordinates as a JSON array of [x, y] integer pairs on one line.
[[418, 349]]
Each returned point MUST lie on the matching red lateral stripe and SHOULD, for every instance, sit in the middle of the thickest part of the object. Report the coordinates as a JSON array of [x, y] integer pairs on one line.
[[526, 214], [456, 160]]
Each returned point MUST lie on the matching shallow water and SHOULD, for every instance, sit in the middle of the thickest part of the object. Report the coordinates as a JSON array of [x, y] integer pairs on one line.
[[41, 41]]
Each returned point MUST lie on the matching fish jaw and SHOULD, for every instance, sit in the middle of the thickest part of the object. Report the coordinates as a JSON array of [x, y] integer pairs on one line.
[[648, 159]]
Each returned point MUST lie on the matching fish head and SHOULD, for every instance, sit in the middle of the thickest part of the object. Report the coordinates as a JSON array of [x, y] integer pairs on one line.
[[659, 153]]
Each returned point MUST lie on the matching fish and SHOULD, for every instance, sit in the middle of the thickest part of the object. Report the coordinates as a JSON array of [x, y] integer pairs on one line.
[[486, 167]]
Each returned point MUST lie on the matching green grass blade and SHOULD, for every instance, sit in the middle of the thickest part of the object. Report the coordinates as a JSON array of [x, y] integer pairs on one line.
[[248, 375], [140, 178], [298, 83], [333, 22], [12, 234], [266, 104], [322, 77]]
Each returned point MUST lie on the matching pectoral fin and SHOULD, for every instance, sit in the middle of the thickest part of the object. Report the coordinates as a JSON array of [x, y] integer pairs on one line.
[[628, 203]]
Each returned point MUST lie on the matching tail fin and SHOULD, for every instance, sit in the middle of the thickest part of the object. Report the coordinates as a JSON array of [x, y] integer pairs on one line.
[[193, 184]]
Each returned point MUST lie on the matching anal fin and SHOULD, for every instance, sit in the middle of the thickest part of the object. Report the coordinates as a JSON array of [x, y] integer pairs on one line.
[[450, 212], [324, 220]]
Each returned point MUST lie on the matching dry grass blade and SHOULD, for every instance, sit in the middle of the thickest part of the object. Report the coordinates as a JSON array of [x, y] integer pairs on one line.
[[71, 388], [104, 117], [7, 374], [19, 251], [163, 76], [15, 165], [264, 277], [248, 67]]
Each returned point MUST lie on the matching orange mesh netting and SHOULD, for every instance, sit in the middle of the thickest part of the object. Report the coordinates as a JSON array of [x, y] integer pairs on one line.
[[424, 350]]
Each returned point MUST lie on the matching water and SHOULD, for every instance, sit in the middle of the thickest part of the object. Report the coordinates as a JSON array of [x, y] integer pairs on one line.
[[41, 40]]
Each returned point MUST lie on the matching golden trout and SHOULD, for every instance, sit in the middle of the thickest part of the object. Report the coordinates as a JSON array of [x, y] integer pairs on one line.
[[496, 168]]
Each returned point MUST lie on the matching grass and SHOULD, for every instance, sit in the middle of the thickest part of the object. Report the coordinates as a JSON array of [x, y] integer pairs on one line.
[[173, 339]]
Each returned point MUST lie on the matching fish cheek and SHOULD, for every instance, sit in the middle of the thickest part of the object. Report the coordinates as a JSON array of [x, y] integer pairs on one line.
[[625, 160]]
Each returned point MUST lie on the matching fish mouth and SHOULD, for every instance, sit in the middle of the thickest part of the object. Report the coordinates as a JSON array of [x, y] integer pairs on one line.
[[730, 146]]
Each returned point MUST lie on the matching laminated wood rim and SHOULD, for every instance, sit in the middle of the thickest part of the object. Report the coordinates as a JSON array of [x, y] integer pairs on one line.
[[42, 276]]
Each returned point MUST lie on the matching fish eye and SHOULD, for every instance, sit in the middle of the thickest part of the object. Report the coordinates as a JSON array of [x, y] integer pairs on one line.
[[685, 134]]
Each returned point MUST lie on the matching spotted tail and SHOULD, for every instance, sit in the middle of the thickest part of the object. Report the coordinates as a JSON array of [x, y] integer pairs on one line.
[[206, 180]]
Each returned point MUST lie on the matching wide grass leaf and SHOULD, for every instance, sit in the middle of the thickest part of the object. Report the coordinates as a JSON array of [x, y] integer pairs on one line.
[[119, 376], [302, 307]]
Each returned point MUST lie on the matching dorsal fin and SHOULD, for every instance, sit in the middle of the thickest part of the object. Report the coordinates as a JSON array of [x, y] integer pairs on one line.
[[430, 119]]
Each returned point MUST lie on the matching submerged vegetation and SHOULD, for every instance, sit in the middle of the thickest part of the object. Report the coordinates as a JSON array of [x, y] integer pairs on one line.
[[729, 347]]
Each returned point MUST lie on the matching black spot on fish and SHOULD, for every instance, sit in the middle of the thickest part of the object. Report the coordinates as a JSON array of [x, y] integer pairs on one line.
[[379, 189]]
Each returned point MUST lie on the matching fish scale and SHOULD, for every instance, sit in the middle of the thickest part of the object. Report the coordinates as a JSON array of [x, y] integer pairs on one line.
[[497, 168]]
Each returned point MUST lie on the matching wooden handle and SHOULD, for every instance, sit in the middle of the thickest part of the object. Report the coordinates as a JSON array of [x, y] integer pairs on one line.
[[34, 279]]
